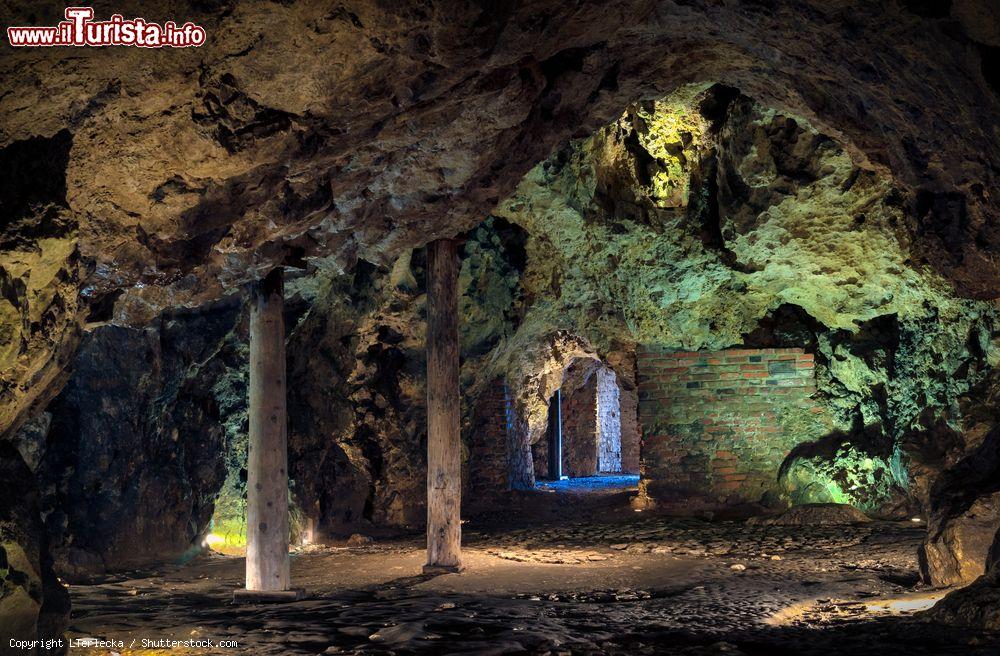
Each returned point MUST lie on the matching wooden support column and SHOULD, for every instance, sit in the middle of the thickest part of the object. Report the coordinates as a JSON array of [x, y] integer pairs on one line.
[[444, 465], [267, 575]]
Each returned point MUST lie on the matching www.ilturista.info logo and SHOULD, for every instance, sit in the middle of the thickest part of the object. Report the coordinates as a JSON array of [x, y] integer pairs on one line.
[[79, 29]]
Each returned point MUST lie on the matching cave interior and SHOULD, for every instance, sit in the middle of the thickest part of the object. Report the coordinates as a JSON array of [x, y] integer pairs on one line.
[[504, 328]]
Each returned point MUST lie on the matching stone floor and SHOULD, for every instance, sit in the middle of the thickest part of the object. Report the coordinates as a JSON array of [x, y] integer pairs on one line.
[[630, 584]]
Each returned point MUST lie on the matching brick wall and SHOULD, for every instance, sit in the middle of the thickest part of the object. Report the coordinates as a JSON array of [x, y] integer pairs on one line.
[[602, 413], [711, 421], [579, 435], [540, 451], [628, 401], [579, 429], [487, 467]]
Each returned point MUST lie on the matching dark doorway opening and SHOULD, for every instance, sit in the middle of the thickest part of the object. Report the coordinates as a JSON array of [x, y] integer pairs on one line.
[[555, 437]]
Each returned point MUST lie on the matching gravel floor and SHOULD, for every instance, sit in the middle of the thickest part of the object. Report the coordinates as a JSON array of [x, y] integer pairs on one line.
[[627, 585]]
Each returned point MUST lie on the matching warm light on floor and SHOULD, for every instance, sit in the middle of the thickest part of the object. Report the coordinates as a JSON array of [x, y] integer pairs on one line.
[[815, 611], [910, 604]]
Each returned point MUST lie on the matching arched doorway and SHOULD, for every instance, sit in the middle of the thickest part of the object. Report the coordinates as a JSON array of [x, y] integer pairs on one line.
[[589, 433]]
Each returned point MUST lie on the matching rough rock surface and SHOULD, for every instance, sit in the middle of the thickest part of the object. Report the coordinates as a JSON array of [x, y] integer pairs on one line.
[[977, 605], [299, 131], [356, 414], [844, 167], [964, 517], [33, 603], [706, 221], [40, 275], [958, 543], [357, 430], [134, 451], [814, 514]]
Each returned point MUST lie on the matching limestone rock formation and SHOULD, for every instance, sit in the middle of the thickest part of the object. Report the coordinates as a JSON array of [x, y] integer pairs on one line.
[[777, 240], [814, 514], [133, 455], [674, 173], [958, 544], [977, 605], [33, 603], [964, 516], [356, 364], [40, 275], [298, 131]]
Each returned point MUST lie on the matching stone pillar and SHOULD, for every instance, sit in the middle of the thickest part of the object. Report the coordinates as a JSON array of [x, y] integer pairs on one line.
[[444, 448], [267, 460], [609, 423]]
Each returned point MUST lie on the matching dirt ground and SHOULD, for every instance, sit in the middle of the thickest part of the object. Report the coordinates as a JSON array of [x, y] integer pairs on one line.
[[598, 580]]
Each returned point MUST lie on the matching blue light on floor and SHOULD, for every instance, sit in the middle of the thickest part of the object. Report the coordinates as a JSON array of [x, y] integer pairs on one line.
[[590, 483]]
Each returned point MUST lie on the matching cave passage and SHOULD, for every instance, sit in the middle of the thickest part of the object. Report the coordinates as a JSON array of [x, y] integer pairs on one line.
[[597, 328]]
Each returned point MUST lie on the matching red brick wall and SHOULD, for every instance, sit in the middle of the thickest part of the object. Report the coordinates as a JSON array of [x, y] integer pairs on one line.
[[487, 467], [583, 411], [628, 399], [579, 435], [579, 429], [711, 420]]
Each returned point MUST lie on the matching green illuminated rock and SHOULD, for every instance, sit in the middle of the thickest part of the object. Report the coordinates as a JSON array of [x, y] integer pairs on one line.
[[670, 229]]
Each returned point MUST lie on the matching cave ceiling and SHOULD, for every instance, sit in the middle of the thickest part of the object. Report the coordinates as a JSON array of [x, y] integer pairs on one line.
[[315, 133]]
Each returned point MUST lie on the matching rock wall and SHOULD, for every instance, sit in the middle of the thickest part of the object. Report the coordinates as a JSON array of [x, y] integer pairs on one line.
[[357, 423], [976, 606], [356, 409], [41, 273], [133, 454], [964, 517], [704, 221], [33, 603]]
